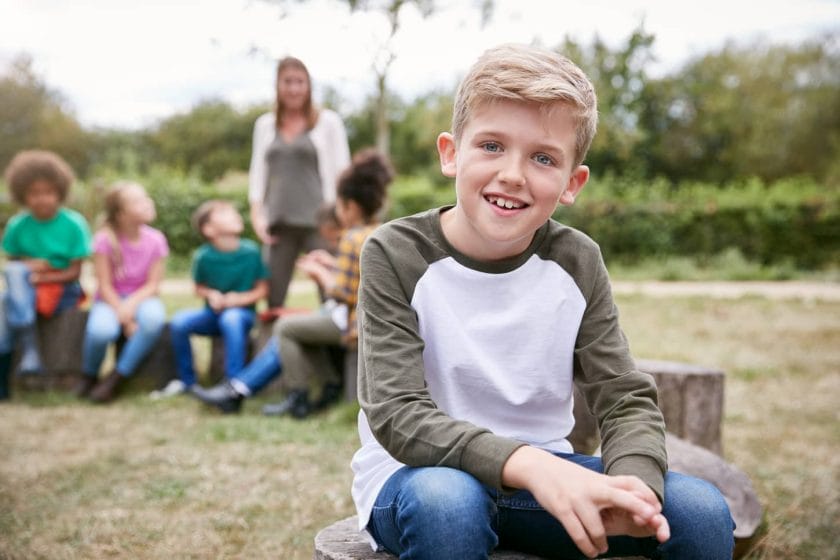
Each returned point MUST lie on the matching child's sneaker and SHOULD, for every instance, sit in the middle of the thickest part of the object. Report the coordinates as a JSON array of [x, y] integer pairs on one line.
[[174, 387]]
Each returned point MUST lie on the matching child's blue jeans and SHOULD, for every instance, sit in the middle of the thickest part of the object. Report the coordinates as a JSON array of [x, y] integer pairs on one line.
[[232, 324], [103, 327], [443, 513], [17, 303], [265, 366]]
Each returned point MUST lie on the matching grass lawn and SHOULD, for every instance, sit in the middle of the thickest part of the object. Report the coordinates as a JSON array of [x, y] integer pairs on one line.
[[171, 479]]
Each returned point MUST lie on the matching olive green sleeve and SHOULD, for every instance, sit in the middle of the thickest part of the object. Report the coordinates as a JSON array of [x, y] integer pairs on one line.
[[622, 398]]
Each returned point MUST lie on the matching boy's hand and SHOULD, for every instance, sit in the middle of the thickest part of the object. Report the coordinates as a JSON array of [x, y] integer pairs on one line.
[[590, 505], [38, 265], [620, 522], [216, 300]]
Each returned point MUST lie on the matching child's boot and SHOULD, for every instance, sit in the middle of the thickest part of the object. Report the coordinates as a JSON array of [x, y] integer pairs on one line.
[[5, 365], [106, 390], [85, 384], [30, 358], [223, 396]]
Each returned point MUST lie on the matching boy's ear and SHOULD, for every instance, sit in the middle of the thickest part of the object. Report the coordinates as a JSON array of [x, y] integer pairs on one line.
[[577, 180], [447, 153]]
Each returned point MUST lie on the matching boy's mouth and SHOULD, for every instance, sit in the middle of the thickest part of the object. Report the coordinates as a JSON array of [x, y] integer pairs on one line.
[[505, 203]]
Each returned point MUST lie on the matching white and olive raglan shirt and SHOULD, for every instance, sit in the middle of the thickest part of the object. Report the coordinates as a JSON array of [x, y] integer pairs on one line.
[[462, 362]]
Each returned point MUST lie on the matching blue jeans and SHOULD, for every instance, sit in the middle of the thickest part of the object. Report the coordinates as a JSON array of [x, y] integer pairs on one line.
[[232, 324], [103, 327], [17, 303], [440, 513], [263, 368]]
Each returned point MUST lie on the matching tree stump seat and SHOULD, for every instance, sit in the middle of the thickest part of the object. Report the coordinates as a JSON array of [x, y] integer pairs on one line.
[[343, 541]]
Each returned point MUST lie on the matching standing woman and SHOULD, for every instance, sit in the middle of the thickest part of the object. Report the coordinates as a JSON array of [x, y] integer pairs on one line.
[[298, 153]]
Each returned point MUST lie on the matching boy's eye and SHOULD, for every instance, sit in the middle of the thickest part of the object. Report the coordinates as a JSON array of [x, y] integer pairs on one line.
[[492, 147], [543, 159]]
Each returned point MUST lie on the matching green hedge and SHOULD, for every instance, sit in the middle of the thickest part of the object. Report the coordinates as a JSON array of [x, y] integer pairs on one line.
[[790, 221], [793, 221]]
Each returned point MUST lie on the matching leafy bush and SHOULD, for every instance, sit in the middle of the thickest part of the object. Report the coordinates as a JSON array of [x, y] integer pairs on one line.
[[792, 223]]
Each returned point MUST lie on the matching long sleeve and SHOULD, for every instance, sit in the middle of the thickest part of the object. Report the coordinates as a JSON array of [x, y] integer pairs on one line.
[[620, 396]]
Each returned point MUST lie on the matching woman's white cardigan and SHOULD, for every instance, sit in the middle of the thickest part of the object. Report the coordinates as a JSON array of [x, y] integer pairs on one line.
[[329, 138]]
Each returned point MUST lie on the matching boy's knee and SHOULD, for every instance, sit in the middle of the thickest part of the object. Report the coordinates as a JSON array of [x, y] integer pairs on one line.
[[446, 511], [233, 319], [179, 324], [698, 514], [449, 495]]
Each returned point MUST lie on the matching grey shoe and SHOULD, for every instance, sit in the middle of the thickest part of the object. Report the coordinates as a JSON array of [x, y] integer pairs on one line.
[[223, 396], [297, 404]]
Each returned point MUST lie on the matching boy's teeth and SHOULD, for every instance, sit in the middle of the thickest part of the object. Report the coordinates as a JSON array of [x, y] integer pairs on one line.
[[502, 203]]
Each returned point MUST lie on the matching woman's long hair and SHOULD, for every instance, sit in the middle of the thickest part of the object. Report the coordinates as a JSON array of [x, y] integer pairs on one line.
[[308, 108]]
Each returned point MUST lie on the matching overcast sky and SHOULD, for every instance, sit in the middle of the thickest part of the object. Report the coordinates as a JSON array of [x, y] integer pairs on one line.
[[129, 63]]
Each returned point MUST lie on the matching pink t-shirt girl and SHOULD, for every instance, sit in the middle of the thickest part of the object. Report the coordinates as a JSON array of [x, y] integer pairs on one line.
[[137, 257]]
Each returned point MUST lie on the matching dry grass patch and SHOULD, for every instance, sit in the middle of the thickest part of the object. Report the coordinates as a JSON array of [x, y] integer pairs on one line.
[[782, 422]]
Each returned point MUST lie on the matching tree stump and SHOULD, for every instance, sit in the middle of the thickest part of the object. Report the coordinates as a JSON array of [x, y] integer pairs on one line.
[[736, 487], [691, 400], [343, 541]]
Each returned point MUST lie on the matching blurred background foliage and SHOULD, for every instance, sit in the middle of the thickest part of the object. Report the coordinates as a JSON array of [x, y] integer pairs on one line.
[[736, 152]]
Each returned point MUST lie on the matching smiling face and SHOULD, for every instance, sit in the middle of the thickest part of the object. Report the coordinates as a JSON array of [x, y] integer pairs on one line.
[[512, 166]]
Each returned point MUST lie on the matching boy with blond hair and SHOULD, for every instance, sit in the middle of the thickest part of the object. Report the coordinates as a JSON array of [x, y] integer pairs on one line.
[[475, 321]]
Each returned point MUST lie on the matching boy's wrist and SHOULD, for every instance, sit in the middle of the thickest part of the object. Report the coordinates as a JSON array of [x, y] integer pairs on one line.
[[643, 467]]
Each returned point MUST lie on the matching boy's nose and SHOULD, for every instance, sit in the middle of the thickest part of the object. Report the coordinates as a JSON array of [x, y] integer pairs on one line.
[[511, 172]]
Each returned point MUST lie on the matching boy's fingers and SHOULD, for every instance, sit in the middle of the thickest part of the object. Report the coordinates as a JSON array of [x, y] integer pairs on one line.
[[594, 526], [578, 534], [663, 530], [634, 484], [631, 503]]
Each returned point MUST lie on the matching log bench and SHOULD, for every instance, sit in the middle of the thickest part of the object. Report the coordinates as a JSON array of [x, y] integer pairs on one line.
[[60, 342]]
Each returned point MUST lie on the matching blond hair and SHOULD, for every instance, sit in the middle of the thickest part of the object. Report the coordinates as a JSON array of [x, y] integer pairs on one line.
[[531, 75], [114, 204]]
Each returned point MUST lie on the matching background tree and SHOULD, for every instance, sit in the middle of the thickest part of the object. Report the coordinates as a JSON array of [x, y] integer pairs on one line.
[[619, 76], [209, 140], [34, 116], [758, 110]]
